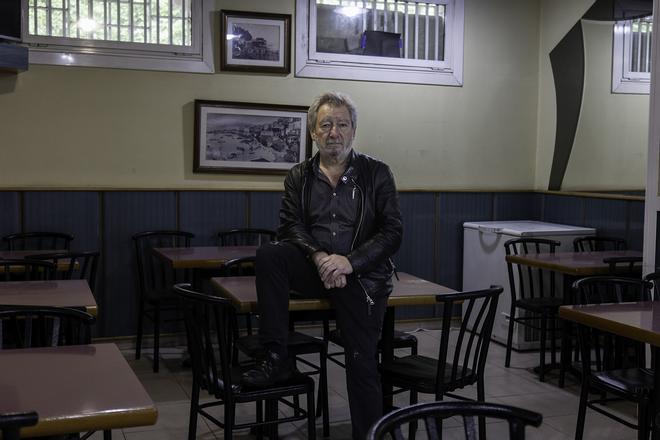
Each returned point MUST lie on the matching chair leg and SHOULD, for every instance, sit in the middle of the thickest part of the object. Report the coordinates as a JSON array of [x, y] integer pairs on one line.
[[544, 335], [553, 341], [643, 428], [323, 393], [107, 434], [311, 420], [138, 337], [156, 338], [509, 338], [194, 408], [412, 426], [481, 397], [229, 420], [582, 408]]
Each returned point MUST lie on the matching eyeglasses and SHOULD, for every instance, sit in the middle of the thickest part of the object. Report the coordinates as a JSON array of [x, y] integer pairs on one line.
[[342, 126]]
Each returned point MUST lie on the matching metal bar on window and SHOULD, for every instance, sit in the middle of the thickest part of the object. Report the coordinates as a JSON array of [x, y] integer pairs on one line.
[[416, 46], [131, 23], [406, 27], [183, 22], [647, 57], [90, 16], [639, 45], [171, 21], [426, 34], [364, 16], [118, 20], [49, 18], [157, 21], [385, 13], [396, 15], [77, 18], [437, 31], [374, 15]]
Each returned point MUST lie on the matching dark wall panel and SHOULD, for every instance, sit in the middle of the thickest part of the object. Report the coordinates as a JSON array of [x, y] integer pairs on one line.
[[564, 209], [205, 213], [72, 212], [265, 209], [609, 217], [417, 247], [635, 234], [125, 214], [453, 210], [10, 219], [515, 206]]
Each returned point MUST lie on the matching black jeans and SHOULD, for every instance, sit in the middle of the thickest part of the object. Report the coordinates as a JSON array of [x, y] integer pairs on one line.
[[282, 267]]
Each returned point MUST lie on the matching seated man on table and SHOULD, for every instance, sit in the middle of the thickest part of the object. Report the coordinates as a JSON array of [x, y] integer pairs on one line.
[[339, 225]]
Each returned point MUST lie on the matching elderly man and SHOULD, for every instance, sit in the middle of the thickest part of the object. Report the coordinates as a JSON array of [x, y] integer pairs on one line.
[[339, 225]]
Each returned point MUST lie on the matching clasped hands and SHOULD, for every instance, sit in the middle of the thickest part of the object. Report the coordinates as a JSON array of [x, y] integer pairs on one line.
[[332, 269]]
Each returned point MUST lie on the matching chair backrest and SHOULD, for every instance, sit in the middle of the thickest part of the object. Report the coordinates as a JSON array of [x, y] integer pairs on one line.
[[593, 243], [654, 282], [624, 266], [389, 426], [208, 328], [238, 267], [611, 289], [38, 241], [79, 265], [246, 237], [26, 270], [462, 353], [41, 326], [11, 423], [152, 273], [526, 281]]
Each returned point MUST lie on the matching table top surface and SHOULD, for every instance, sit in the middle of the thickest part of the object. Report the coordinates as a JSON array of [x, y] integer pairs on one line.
[[56, 293], [637, 320], [203, 257], [19, 255], [572, 263], [73, 389], [408, 290]]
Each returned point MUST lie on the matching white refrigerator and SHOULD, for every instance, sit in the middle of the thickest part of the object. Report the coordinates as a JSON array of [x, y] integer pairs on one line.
[[484, 264]]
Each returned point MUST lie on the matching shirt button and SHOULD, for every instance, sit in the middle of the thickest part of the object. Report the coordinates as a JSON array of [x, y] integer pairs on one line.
[[333, 215], [334, 233], [334, 194]]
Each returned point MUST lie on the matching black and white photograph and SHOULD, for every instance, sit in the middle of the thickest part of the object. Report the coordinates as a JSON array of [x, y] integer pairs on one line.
[[248, 137], [255, 42]]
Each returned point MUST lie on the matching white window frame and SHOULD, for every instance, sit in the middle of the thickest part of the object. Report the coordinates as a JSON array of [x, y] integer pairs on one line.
[[312, 64], [197, 58], [623, 79]]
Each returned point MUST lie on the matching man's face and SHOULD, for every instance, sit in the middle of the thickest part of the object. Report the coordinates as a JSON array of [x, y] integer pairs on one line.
[[334, 131]]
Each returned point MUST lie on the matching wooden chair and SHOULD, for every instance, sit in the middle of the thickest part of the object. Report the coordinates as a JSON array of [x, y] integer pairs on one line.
[[613, 364], [79, 265], [209, 329], [593, 243], [38, 241], [26, 270], [390, 424], [246, 237], [461, 358], [533, 291], [155, 282]]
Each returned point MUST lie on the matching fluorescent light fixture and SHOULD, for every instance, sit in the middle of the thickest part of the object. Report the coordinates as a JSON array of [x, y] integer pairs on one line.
[[350, 11]]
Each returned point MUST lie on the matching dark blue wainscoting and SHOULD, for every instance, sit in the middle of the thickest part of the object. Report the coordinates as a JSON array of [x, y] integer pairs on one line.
[[432, 246]]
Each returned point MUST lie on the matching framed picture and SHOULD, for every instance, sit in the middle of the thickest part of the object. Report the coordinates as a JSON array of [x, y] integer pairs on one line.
[[255, 42], [244, 137]]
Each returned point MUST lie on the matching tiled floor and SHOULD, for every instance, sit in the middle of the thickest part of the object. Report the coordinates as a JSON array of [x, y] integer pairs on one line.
[[516, 386]]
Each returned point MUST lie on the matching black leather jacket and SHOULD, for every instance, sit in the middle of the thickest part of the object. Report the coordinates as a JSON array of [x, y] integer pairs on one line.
[[378, 226]]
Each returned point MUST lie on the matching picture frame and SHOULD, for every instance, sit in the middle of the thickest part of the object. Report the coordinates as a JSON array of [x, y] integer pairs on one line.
[[241, 137], [255, 42]]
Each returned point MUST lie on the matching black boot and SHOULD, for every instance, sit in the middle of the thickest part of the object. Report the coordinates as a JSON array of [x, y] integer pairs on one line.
[[271, 370]]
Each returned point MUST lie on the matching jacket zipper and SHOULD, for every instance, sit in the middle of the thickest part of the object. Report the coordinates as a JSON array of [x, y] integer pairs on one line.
[[370, 301]]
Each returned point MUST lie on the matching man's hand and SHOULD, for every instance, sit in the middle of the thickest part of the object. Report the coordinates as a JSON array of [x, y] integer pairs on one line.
[[333, 266]]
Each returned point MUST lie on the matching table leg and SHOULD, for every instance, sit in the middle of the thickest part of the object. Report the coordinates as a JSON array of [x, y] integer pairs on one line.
[[387, 354], [567, 327], [655, 422]]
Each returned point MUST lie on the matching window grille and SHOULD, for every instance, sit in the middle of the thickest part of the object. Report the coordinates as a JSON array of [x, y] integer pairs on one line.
[[166, 22], [639, 34]]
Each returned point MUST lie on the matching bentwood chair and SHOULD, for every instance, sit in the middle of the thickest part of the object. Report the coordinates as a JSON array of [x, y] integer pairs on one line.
[[461, 358], [624, 266], [11, 423], [299, 344], [26, 270], [534, 300], [592, 243], [26, 241], [389, 426], [78, 265], [653, 280], [155, 281], [209, 324], [41, 326], [246, 237], [613, 364]]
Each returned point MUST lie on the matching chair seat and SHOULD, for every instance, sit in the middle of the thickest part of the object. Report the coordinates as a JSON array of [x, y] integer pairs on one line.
[[539, 305], [399, 340], [298, 381], [420, 371], [298, 343], [637, 382]]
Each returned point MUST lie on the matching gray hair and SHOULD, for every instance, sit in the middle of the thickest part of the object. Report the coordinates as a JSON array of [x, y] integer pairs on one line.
[[334, 99]]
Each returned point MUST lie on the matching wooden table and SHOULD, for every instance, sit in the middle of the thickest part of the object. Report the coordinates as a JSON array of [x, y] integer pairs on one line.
[[577, 264], [202, 257], [639, 321], [57, 293], [73, 389], [20, 255]]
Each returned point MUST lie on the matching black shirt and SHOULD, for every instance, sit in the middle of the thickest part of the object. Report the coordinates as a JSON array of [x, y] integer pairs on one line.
[[333, 212]]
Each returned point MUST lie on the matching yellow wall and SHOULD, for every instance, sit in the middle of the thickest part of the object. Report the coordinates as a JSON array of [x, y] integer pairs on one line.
[[609, 152], [85, 127]]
